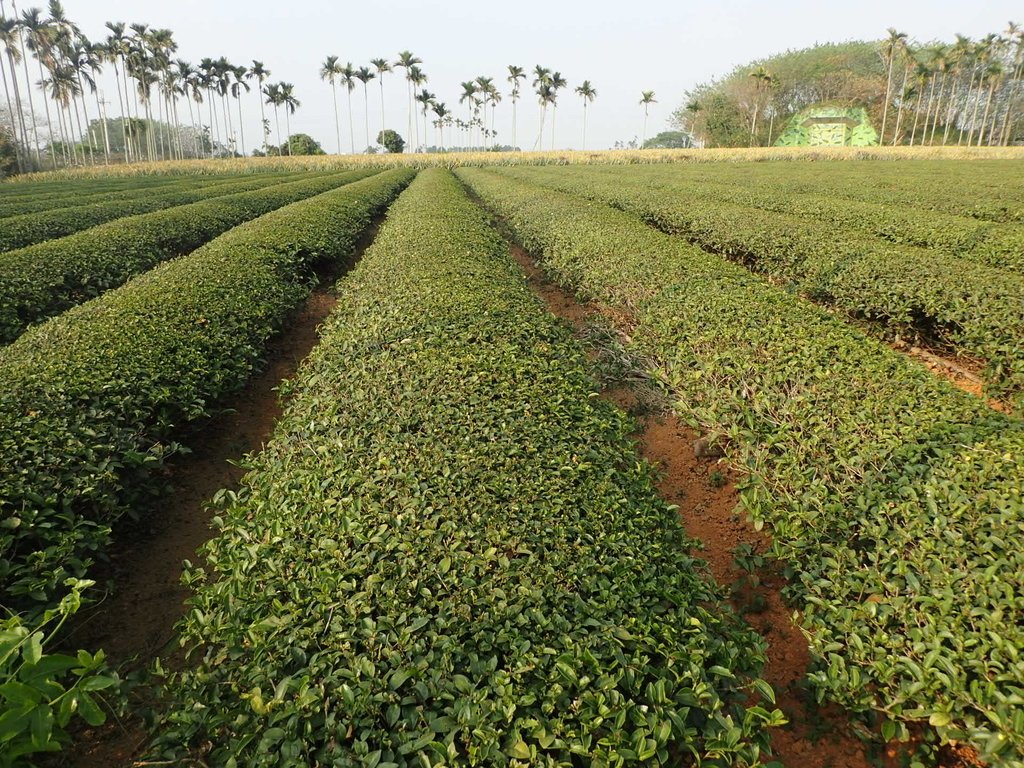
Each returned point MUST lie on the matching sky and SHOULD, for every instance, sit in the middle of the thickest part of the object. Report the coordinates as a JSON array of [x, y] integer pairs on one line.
[[666, 46]]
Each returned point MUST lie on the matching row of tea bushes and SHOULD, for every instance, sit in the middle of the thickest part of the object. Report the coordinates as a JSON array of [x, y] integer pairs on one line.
[[896, 499], [92, 401], [44, 280], [50, 223], [449, 553], [975, 309]]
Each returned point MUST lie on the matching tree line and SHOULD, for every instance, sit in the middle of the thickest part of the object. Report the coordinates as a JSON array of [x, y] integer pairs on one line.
[[47, 57], [478, 95], [169, 108], [964, 93]]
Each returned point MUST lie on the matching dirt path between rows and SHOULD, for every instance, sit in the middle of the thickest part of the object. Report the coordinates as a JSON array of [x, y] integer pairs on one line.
[[135, 624], [704, 489]]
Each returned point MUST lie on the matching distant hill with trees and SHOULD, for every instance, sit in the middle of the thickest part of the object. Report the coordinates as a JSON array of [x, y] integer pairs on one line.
[[965, 92]]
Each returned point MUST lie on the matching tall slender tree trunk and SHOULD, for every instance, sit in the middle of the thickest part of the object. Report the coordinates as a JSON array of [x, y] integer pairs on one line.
[[85, 112], [106, 133], [337, 121], [928, 110], [382, 126], [514, 123], [14, 124], [988, 105], [366, 113], [938, 109], [288, 127], [277, 120], [138, 139], [264, 130], [917, 114], [408, 83], [241, 127], [81, 133], [229, 122], [215, 132], [974, 115], [415, 120], [192, 123], [543, 114], [25, 150], [902, 107], [961, 115], [584, 145], [28, 91], [124, 119], [1011, 98], [888, 96], [954, 92], [65, 145], [351, 131], [161, 120]]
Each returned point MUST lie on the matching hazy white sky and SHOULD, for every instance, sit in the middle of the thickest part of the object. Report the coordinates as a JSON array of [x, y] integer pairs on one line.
[[622, 48]]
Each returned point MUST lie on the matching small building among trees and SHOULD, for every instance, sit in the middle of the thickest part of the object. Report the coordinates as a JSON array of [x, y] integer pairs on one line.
[[829, 126]]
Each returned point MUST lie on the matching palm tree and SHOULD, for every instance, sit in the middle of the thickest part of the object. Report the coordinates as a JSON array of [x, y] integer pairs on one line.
[[588, 94], [63, 88], [67, 49], [85, 61], [382, 66], [923, 72], [348, 79], [1016, 36], [162, 45], [983, 52], [441, 110], [494, 96], [364, 75], [515, 74], [139, 68], [542, 87], [116, 49], [646, 99], [241, 75], [761, 79], [469, 95], [891, 46], [993, 75], [208, 79], [273, 93], [188, 77], [426, 98], [290, 104], [941, 65], [557, 83], [907, 58], [418, 78], [959, 53], [9, 39], [38, 38], [261, 74], [406, 60], [329, 71], [483, 88], [225, 77]]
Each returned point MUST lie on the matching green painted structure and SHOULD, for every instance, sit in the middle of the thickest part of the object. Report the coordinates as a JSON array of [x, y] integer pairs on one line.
[[824, 126]]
